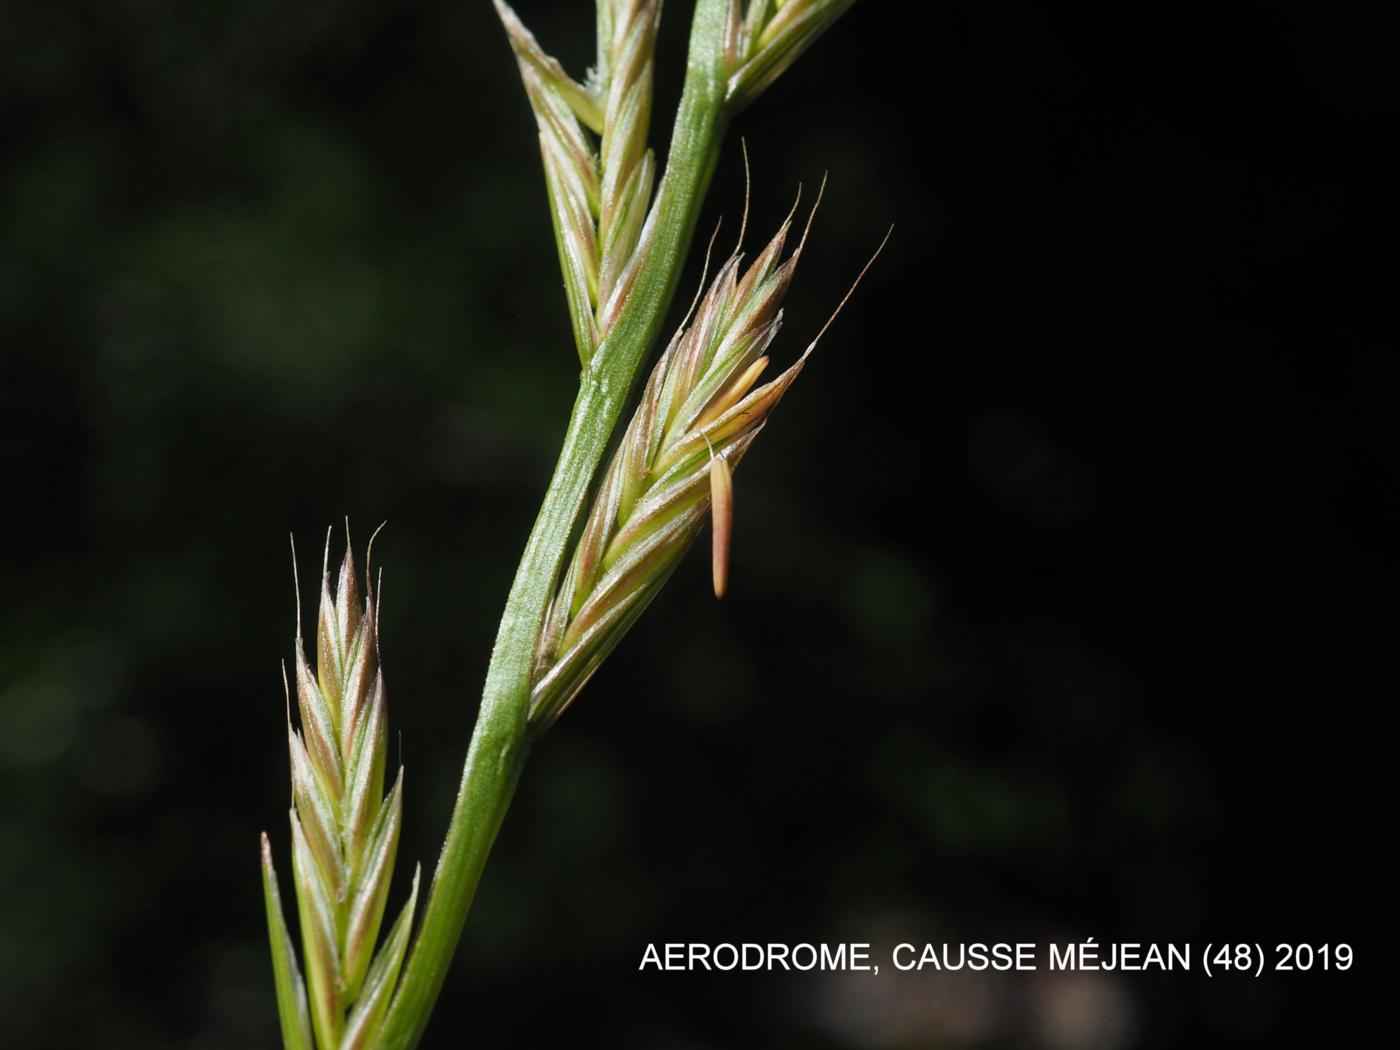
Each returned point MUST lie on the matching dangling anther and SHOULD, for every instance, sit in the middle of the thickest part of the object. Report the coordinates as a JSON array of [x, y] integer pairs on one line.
[[721, 518]]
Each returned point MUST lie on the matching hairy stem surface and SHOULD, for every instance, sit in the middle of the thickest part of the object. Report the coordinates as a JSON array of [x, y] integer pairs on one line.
[[498, 748]]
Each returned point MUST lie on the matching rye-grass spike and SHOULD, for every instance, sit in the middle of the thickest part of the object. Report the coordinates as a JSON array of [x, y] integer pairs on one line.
[[599, 198], [698, 415], [623, 231], [345, 833]]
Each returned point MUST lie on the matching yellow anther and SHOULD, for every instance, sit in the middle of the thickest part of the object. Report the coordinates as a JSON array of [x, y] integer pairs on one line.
[[733, 394], [721, 519]]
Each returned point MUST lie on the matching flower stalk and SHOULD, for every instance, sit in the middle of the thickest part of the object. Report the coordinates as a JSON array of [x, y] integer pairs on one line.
[[499, 744]]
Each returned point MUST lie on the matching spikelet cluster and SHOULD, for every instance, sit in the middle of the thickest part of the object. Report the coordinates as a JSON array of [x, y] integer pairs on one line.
[[765, 37], [345, 833], [699, 413], [598, 169]]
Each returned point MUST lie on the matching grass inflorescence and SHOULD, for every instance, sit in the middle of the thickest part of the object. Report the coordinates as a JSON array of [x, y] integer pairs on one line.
[[598, 169], [345, 832], [607, 537], [699, 413]]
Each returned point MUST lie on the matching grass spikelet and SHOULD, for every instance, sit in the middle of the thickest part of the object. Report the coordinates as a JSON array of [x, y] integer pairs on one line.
[[770, 37], [345, 833], [598, 169], [698, 416]]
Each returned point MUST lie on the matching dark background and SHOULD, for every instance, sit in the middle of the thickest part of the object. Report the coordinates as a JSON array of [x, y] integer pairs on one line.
[[1060, 582]]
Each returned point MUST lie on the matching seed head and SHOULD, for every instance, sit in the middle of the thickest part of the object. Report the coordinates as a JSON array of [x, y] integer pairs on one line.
[[598, 169], [345, 832], [768, 37], [698, 416]]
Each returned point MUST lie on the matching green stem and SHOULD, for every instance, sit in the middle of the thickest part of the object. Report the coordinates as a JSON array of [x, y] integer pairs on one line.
[[498, 747]]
